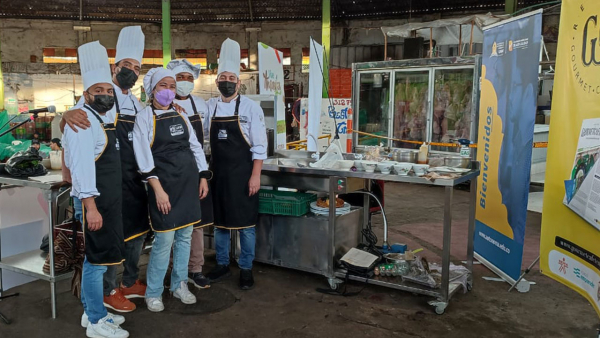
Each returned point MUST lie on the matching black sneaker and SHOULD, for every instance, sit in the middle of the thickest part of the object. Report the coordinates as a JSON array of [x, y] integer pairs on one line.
[[198, 279], [219, 273], [246, 279]]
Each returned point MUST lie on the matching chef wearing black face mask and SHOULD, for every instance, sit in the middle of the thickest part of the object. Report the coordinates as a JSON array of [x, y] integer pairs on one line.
[[128, 60], [238, 142]]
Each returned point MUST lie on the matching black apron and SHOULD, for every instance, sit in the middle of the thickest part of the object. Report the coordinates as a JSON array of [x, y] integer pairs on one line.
[[107, 246], [206, 204], [177, 171], [135, 197], [231, 164]]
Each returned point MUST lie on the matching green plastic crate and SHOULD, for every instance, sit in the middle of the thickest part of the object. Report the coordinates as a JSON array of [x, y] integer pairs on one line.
[[287, 203]]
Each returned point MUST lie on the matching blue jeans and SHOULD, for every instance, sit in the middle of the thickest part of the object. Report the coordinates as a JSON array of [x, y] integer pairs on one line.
[[247, 244], [92, 296], [78, 209], [159, 260]]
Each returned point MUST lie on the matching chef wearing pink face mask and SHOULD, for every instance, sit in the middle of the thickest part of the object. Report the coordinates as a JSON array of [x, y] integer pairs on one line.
[[172, 161]]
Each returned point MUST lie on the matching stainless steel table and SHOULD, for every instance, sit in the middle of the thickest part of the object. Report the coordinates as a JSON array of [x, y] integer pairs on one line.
[[284, 171], [31, 263]]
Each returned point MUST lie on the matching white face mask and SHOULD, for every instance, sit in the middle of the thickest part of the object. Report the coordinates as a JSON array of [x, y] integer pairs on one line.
[[184, 88]]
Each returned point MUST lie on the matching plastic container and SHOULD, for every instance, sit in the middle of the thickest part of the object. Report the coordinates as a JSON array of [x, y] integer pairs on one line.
[[56, 160], [423, 154], [286, 203]]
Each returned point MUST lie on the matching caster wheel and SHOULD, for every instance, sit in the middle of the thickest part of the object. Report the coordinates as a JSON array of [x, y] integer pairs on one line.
[[440, 310], [469, 286], [334, 283]]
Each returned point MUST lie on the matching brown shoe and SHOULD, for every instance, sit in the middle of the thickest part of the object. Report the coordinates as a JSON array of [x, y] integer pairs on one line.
[[137, 290], [118, 302]]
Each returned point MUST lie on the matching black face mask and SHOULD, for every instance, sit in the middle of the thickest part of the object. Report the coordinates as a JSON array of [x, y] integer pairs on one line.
[[102, 103], [126, 78], [227, 88]]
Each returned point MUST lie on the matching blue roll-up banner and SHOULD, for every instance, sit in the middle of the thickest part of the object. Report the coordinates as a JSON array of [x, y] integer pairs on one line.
[[509, 82]]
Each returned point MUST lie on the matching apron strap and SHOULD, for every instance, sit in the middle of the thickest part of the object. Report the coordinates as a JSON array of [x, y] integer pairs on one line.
[[95, 114], [117, 104], [237, 106], [193, 105]]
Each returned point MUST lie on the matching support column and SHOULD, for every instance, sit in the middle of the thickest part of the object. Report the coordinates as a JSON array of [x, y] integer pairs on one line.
[[166, 31], [510, 6], [1, 90], [326, 41]]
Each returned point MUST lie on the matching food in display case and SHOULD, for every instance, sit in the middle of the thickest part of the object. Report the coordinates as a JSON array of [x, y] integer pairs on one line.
[[410, 107], [452, 105], [324, 202]]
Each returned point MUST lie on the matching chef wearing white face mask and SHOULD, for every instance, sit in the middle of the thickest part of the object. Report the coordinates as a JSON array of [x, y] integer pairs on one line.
[[196, 110]]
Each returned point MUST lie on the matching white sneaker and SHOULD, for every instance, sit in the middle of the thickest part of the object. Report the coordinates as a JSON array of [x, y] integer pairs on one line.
[[116, 319], [155, 304], [184, 294], [105, 328]]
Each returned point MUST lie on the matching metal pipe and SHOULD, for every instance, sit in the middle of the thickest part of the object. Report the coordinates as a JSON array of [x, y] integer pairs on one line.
[[166, 31], [385, 223], [471, 42], [471, 232], [80, 10], [50, 196], [459, 40], [250, 8], [385, 44], [445, 287], [430, 42]]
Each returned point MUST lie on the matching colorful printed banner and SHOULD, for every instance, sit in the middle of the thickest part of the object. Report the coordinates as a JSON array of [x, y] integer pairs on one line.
[[511, 52], [343, 117], [271, 82], [569, 251]]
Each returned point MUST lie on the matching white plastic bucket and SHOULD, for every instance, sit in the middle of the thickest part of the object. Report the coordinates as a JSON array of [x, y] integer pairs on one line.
[[56, 159]]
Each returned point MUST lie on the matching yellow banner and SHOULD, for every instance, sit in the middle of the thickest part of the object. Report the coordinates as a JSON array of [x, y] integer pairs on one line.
[[570, 245]]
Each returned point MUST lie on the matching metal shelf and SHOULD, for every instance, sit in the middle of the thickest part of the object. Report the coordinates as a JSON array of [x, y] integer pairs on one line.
[[31, 264], [398, 284]]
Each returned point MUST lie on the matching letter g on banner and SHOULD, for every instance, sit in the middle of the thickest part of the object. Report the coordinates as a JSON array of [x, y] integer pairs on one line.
[[590, 41]]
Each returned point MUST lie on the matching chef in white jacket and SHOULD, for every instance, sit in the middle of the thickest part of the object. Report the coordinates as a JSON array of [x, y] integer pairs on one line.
[[172, 160], [94, 160], [196, 110], [238, 143], [125, 72]]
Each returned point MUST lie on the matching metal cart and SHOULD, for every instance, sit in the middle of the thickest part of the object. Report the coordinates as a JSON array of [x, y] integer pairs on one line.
[[315, 243], [31, 263]]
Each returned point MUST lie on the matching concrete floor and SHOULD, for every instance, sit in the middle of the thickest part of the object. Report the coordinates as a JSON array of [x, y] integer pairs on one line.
[[287, 303]]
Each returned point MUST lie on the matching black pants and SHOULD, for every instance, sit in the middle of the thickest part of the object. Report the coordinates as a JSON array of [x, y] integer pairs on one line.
[[133, 250]]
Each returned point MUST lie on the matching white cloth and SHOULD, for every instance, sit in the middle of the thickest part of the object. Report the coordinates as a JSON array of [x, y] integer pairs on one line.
[[252, 123], [183, 66], [154, 76], [128, 103], [130, 44], [143, 134], [93, 62], [81, 150], [230, 57]]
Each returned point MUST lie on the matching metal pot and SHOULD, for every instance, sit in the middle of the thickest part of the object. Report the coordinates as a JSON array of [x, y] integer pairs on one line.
[[408, 156], [457, 161]]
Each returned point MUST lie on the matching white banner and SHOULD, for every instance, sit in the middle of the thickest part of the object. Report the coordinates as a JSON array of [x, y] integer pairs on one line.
[[271, 82], [315, 93], [343, 116]]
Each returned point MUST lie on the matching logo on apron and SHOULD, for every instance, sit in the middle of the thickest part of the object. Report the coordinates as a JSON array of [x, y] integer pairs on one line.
[[117, 144], [130, 136], [176, 129], [222, 134]]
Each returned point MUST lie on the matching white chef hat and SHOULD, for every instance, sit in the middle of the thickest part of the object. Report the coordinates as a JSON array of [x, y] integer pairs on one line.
[[183, 66], [154, 76], [93, 62], [229, 57], [130, 44]]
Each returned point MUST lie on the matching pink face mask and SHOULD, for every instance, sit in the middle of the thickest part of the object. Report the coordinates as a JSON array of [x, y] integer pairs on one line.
[[164, 97]]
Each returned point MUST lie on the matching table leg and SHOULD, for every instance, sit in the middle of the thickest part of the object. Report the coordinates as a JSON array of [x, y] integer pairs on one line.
[[471, 232], [447, 241], [51, 199]]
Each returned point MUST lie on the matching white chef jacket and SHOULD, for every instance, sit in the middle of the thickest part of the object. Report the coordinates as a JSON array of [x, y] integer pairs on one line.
[[252, 122], [127, 102], [81, 150], [201, 108], [143, 133]]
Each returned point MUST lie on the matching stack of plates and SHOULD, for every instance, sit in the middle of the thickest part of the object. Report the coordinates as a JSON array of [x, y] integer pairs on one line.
[[325, 211]]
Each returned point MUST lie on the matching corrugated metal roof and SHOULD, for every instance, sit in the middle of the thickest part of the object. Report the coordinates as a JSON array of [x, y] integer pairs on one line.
[[225, 10]]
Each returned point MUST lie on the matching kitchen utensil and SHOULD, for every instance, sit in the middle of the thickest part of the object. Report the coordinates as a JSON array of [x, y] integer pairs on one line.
[[385, 167], [406, 156], [435, 161], [403, 169], [420, 169], [46, 162], [344, 164], [369, 166], [457, 161]]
